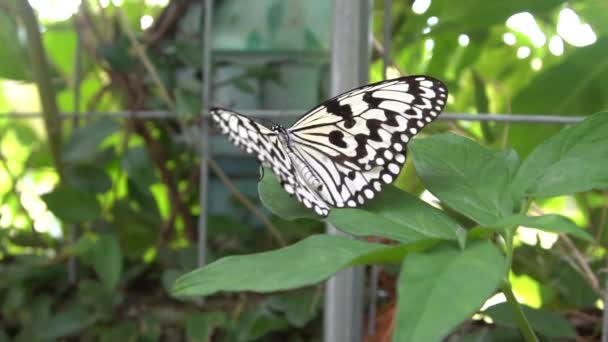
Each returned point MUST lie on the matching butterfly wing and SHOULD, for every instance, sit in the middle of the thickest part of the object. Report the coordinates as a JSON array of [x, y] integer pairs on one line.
[[256, 139], [356, 142]]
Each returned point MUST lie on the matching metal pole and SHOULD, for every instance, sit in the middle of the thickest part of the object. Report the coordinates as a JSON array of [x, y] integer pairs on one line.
[[204, 148], [274, 114], [343, 316]]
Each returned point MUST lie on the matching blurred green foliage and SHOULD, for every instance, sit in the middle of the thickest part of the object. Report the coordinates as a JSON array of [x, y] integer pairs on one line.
[[130, 186]]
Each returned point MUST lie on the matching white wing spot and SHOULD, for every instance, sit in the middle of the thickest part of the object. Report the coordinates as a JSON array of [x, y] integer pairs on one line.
[[398, 146], [393, 168], [386, 178], [369, 194], [400, 158], [413, 130], [405, 138], [377, 186], [379, 161], [419, 123], [360, 199], [351, 203], [388, 154]]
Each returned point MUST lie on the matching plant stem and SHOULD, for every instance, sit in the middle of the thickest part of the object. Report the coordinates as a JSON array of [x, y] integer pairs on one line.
[[520, 318], [42, 76]]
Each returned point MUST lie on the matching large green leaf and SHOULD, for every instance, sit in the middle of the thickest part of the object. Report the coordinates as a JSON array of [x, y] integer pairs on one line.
[[464, 175], [72, 205], [576, 86], [439, 289], [83, 143], [547, 323], [397, 215], [573, 160], [306, 262], [550, 223]]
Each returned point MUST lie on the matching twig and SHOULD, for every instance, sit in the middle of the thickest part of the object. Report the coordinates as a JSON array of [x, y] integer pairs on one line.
[[586, 270], [246, 202], [380, 49], [524, 326]]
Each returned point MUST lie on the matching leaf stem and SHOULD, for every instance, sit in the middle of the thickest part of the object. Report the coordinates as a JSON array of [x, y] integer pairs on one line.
[[520, 318]]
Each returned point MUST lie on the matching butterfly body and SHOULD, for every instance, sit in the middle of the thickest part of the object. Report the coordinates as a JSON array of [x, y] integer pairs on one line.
[[342, 152]]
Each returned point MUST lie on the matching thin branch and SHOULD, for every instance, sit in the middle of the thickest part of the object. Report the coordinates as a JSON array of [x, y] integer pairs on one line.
[[246, 202], [378, 47], [582, 263]]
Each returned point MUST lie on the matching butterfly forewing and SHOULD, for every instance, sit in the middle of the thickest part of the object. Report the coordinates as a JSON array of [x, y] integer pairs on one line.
[[357, 140]]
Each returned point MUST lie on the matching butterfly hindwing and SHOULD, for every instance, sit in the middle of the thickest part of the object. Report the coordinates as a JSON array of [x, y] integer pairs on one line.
[[256, 139]]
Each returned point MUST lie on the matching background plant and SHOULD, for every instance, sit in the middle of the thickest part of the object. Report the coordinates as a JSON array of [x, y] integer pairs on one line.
[[129, 186]]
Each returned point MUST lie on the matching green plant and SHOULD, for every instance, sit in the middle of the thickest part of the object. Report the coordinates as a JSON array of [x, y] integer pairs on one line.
[[447, 272]]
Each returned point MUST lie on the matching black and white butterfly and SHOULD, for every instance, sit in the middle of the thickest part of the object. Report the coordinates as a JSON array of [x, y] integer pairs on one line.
[[342, 152]]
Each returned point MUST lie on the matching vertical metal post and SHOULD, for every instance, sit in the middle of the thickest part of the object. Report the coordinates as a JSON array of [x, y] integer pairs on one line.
[[375, 269], [204, 146], [350, 52]]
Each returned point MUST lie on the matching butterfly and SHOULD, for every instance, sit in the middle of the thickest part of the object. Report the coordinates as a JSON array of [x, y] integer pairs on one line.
[[342, 152]]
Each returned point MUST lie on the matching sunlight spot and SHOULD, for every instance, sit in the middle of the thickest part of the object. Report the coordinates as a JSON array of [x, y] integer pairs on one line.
[[160, 3], [572, 30], [463, 40], [146, 21], [525, 23], [429, 44], [104, 3], [117, 2], [428, 197], [420, 6], [556, 45], [431, 21], [599, 304], [55, 10], [523, 52], [392, 72], [495, 299], [536, 64], [509, 38], [426, 30]]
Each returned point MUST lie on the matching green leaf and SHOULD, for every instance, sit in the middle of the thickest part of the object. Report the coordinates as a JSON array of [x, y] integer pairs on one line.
[[200, 327], [547, 323], [397, 215], [64, 324], [549, 223], [306, 262], [72, 205], [464, 175], [432, 282], [574, 160], [13, 56], [106, 258], [88, 178], [139, 167], [299, 307], [83, 143], [554, 91], [280, 202]]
